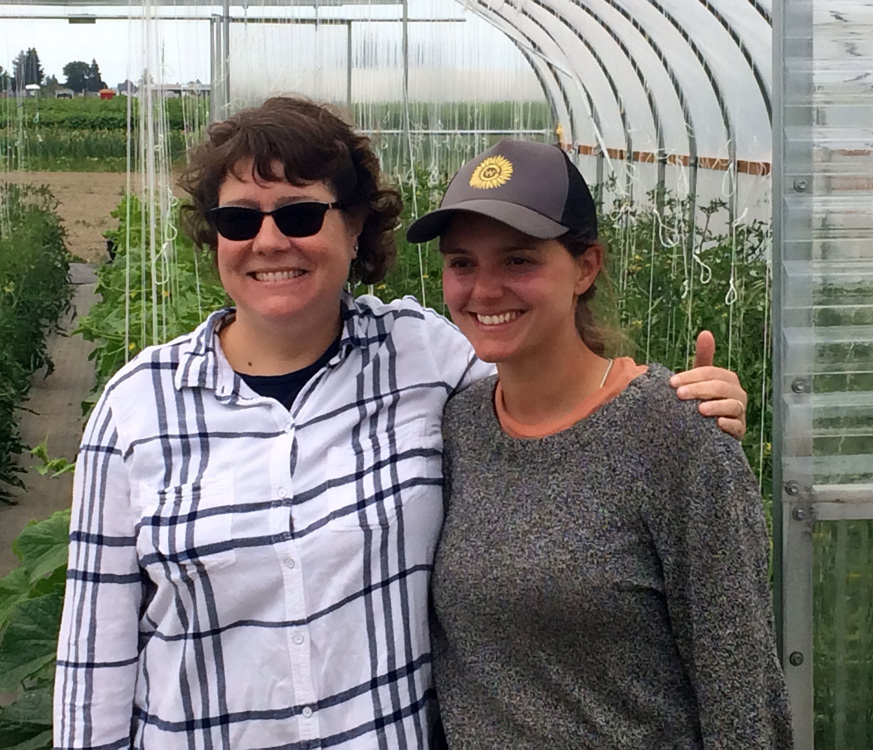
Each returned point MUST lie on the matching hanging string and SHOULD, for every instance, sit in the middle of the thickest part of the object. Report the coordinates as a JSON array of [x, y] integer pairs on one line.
[[732, 296], [128, 192], [765, 361], [656, 231]]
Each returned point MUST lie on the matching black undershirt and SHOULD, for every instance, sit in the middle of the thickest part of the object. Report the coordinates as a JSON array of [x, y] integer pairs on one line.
[[284, 388]]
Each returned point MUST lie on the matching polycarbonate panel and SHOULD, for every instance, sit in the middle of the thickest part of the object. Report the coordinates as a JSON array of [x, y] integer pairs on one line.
[[539, 41], [827, 268], [279, 58], [624, 116], [754, 30], [843, 644], [823, 264], [461, 62], [551, 80]]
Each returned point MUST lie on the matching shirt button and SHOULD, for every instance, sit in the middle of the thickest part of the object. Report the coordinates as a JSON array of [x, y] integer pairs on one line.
[[282, 492], [289, 561], [307, 711], [298, 638]]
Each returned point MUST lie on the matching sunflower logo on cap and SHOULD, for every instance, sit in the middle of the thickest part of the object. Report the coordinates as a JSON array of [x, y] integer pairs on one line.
[[491, 173]]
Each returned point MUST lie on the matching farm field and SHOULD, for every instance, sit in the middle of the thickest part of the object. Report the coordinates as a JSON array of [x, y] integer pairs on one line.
[[84, 202]]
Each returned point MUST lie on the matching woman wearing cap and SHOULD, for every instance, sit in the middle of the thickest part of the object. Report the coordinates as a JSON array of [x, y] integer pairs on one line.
[[602, 578], [257, 503]]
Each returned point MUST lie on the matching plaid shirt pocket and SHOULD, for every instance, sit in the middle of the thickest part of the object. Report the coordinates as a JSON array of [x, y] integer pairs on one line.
[[187, 529]]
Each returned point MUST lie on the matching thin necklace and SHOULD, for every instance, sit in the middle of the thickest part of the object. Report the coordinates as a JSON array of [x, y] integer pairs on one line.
[[606, 374]]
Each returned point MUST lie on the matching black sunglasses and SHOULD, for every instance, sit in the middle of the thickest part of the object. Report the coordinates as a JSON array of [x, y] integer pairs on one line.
[[294, 220]]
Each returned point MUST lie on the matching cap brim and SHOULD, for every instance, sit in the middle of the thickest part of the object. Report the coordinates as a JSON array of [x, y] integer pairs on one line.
[[435, 223]]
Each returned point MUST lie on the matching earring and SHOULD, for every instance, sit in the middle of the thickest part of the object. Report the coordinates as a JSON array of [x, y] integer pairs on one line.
[[355, 251]]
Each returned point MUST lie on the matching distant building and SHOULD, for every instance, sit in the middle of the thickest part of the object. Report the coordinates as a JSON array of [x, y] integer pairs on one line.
[[64, 93], [128, 88], [32, 89], [173, 90]]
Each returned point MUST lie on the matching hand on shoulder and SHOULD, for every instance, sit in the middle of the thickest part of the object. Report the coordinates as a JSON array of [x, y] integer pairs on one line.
[[719, 391]]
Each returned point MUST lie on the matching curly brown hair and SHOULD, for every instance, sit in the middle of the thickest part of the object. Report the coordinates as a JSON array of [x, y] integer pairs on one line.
[[313, 142]]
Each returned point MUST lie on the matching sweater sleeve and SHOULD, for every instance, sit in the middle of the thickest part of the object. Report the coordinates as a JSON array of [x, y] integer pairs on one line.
[[97, 648], [710, 534]]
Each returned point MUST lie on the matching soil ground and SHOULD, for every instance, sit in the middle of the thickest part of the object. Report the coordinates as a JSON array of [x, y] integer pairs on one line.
[[54, 409], [84, 202]]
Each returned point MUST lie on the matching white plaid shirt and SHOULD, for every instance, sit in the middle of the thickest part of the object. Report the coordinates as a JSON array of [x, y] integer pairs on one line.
[[242, 576]]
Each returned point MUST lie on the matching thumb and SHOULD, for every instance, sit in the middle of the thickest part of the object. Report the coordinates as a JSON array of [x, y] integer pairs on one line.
[[705, 352]]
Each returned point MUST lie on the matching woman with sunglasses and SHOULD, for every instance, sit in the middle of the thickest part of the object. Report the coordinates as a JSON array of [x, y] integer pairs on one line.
[[602, 576], [257, 503]]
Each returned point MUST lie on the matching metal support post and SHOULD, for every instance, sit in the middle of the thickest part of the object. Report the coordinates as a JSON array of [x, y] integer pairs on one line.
[[792, 414]]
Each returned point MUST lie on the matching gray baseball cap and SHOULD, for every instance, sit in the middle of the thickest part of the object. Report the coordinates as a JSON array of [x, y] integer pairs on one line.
[[532, 187]]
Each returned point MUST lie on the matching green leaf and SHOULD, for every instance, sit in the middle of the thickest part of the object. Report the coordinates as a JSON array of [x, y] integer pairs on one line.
[[53, 584], [15, 735], [44, 547], [30, 640], [31, 707], [14, 588], [56, 466], [40, 451]]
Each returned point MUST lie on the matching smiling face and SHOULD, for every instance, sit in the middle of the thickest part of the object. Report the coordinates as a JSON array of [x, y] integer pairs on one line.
[[513, 296], [279, 280]]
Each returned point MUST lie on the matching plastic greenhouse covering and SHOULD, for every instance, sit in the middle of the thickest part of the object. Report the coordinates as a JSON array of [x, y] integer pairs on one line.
[[673, 93]]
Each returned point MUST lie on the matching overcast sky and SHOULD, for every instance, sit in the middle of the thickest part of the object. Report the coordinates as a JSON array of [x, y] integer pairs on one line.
[[185, 45], [277, 53]]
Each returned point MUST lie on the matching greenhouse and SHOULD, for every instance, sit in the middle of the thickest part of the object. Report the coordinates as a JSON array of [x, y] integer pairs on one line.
[[728, 145]]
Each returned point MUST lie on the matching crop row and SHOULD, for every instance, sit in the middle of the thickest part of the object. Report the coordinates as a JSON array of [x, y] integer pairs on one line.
[[188, 113], [60, 150], [34, 294], [93, 114]]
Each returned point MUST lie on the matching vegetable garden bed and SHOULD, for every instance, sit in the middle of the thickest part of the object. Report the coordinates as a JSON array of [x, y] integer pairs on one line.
[[35, 292]]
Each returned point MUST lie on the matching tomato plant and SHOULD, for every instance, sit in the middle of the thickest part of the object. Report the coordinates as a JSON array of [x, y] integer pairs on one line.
[[35, 293]]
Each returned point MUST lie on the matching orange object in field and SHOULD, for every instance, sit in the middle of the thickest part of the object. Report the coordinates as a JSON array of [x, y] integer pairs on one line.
[[107, 93]]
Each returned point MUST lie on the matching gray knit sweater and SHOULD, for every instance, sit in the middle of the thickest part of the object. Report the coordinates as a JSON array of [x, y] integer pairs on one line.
[[605, 587]]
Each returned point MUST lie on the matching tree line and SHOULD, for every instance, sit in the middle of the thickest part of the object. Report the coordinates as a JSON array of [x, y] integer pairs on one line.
[[26, 69]]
